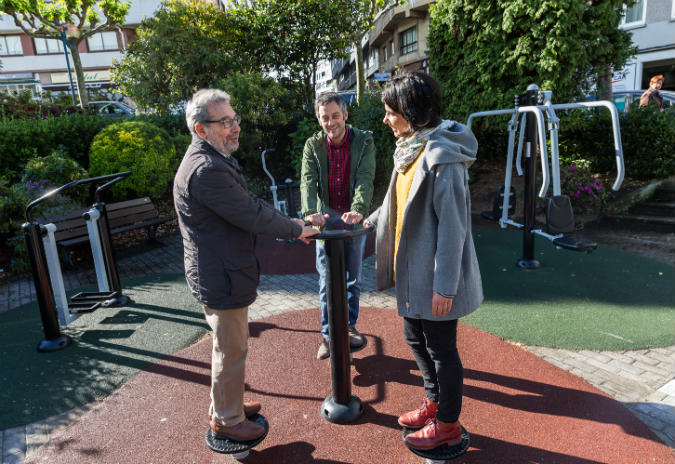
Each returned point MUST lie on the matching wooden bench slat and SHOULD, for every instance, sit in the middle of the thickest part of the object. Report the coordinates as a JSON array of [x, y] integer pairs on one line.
[[71, 228]]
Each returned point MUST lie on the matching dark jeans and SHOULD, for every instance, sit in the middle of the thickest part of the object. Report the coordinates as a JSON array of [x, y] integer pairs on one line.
[[434, 345]]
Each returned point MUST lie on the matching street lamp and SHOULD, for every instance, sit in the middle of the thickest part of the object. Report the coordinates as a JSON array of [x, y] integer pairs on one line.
[[69, 31]]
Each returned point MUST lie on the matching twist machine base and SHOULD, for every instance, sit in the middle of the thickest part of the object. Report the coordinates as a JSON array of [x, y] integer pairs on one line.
[[442, 453], [238, 449]]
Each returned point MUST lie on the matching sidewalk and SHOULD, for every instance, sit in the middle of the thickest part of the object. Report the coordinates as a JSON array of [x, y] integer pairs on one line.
[[643, 381]]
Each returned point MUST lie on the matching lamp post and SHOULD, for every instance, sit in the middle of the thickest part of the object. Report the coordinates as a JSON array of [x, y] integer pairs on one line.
[[69, 31]]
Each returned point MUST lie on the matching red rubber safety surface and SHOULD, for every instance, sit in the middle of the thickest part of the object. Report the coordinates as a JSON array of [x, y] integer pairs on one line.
[[517, 408]]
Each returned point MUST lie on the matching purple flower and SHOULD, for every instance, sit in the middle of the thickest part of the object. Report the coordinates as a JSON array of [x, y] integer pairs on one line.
[[573, 168]]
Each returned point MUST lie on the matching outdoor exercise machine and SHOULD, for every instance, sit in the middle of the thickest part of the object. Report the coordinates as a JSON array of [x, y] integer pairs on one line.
[[532, 106], [340, 407], [53, 302], [288, 205]]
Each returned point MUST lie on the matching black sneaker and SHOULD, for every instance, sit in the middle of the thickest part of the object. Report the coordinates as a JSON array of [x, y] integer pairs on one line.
[[356, 340], [324, 350]]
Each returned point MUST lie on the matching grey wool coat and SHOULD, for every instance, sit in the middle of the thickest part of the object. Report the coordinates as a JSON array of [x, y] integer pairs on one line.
[[436, 251], [219, 219]]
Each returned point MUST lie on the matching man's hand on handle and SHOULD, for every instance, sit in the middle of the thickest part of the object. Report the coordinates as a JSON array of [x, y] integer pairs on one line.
[[352, 217], [306, 231], [318, 219]]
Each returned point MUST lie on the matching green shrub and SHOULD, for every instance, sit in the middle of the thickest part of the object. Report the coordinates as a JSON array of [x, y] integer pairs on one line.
[[57, 168], [139, 147], [13, 202], [269, 112], [647, 138], [22, 139]]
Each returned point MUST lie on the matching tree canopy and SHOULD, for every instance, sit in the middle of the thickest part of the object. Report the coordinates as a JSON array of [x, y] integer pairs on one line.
[[45, 19], [484, 53], [191, 44]]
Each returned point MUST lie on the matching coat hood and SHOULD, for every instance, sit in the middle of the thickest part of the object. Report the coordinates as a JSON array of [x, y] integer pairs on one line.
[[451, 142]]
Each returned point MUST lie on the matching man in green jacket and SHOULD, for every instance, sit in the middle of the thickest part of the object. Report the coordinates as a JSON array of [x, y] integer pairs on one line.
[[338, 168]]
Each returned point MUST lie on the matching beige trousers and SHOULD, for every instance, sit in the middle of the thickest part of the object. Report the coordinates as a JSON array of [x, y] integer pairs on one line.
[[228, 363]]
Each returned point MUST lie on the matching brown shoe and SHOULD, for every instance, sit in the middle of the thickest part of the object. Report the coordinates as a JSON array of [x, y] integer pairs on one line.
[[417, 418], [251, 408], [434, 434], [324, 349], [243, 431]]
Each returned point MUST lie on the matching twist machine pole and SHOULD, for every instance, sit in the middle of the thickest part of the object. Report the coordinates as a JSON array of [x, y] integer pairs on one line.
[[341, 406], [530, 99]]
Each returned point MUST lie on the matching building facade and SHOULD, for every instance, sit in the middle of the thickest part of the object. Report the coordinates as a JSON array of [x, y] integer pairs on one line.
[[39, 65], [651, 24]]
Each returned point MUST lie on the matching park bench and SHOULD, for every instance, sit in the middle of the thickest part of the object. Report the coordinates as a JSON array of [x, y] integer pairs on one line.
[[71, 228]]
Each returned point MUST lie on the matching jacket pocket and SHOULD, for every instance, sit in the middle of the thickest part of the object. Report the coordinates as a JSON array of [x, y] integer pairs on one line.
[[243, 282]]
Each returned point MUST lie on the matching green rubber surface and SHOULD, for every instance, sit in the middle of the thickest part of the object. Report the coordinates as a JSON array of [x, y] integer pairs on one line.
[[605, 300], [109, 346]]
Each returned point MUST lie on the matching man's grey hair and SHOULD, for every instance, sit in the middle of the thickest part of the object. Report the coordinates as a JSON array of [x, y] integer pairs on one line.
[[197, 108], [330, 97]]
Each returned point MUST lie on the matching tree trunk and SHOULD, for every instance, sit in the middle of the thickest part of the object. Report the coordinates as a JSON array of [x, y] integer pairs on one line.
[[77, 64], [605, 84], [360, 80]]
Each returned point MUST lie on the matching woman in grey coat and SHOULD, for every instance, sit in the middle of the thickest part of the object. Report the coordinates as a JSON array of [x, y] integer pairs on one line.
[[425, 248]]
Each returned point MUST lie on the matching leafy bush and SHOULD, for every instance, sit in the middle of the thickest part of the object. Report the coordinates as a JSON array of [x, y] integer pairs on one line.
[[269, 112], [647, 137], [368, 115], [57, 168], [13, 202], [139, 147], [22, 139], [586, 190]]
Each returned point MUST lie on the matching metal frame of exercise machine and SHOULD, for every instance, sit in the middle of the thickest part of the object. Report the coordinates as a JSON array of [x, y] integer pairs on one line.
[[560, 218], [54, 306]]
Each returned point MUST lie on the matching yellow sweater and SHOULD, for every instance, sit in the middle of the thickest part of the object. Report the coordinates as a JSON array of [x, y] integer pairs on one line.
[[403, 184]]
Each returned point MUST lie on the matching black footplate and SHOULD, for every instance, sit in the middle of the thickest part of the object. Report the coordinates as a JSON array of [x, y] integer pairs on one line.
[[575, 242]]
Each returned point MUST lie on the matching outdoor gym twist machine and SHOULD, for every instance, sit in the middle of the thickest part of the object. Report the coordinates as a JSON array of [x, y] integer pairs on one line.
[[559, 228], [48, 277]]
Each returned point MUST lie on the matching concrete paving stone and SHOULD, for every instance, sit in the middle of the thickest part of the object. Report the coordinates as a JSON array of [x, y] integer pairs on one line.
[[662, 412], [658, 369], [14, 445], [645, 358], [668, 388], [652, 422], [620, 365], [597, 355]]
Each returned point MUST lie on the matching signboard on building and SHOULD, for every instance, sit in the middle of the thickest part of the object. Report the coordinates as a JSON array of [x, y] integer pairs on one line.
[[624, 79], [89, 76]]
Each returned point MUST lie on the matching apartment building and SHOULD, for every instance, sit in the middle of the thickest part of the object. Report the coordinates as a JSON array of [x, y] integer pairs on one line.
[[40, 64], [651, 24]]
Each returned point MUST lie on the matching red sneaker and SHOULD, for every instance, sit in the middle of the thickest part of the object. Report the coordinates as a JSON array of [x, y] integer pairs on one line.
[[417, 418], [434, 434]]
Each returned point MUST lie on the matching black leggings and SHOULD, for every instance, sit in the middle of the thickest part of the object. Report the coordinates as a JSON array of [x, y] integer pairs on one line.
[[434, 345]]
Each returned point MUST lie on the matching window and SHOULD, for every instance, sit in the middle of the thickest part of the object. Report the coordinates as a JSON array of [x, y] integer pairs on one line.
[[43, 46], [103, 41], [385, 53], [634, 15], [409, 40], [10, 45], [391, 45]]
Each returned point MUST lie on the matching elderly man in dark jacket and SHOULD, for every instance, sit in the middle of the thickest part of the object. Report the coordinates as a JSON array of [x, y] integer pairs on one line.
[[219, 220]]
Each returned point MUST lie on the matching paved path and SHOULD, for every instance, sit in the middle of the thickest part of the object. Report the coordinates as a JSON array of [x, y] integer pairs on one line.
[[642, 380]]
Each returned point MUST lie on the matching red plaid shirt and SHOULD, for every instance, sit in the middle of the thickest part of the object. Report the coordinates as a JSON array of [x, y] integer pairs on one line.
[[339, 165]]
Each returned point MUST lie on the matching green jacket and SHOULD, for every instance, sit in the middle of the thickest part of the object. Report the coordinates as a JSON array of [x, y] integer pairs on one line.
[[314, 173]]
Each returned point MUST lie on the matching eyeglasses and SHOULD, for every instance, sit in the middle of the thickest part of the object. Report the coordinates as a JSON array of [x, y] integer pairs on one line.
[[228, 122]]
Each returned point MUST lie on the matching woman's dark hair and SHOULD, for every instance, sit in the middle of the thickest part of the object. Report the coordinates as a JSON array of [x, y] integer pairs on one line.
[[417, 97]]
